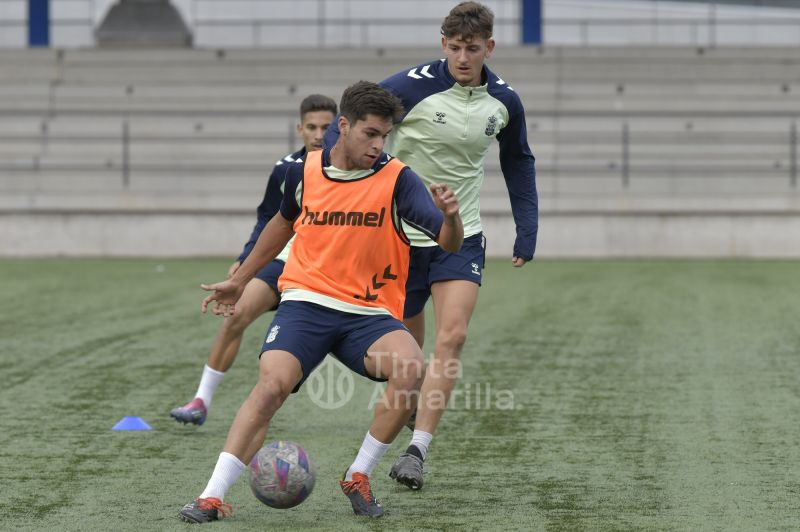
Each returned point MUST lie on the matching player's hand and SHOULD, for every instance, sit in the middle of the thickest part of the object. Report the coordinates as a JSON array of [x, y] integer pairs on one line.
[[518, 262], [444, 198], [233, 268], [226, 294]]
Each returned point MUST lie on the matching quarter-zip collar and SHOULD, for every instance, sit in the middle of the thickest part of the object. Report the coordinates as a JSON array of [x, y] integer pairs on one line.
[[460, 89]]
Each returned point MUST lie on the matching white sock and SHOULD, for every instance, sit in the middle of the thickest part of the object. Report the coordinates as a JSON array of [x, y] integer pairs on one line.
[[226, 472], [421, 440], [208, 384], [368, 456]]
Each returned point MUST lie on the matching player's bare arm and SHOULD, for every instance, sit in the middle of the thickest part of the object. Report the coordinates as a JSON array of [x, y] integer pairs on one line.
[[451, 235], [272, 240]]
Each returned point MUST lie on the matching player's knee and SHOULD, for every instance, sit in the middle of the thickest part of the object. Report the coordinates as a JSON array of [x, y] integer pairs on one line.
[[450, 341], [240, 320], [272, 389], [408, 370]]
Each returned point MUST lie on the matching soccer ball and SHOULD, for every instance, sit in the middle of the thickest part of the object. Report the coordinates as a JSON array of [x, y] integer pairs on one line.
[[282, 474]]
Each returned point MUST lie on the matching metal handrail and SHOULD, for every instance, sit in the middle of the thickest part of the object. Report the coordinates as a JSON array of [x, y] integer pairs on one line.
[[626, 166]]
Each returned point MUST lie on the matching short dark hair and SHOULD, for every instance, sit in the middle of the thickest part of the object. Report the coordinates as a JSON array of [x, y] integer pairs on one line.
[[316, 102], [366, 98], [469, 20]]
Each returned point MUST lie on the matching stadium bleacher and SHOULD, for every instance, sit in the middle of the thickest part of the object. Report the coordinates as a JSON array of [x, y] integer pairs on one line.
[[624, 131]]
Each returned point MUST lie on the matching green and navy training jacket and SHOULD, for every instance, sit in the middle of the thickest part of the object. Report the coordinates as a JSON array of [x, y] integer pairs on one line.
[[445, 135]]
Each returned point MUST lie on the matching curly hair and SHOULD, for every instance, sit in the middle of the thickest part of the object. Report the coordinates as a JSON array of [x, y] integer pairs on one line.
[[469, 20]]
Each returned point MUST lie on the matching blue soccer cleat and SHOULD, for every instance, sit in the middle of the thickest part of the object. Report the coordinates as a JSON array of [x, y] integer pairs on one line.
[[193, 412]]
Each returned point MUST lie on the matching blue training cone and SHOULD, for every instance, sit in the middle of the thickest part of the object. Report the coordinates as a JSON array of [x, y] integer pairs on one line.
[[131, 423]]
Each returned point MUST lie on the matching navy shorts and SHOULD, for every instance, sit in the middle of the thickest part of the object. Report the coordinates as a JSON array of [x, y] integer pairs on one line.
[[309, 332], [270, 274], [432, 264]]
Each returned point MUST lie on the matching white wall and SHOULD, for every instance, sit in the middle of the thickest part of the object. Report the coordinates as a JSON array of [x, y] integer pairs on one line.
[[348, 22], [663, 22], [254, 23], [13, 23], [373, 23], [121, 234]]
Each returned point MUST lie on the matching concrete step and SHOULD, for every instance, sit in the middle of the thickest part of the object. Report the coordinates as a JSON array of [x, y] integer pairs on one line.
[[626, 200], [92, 124]]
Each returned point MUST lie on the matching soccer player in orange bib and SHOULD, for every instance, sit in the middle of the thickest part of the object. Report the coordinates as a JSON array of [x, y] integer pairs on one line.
[[343, 289]]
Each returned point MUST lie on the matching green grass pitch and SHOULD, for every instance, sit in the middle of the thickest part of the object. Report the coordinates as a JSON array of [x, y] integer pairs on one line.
[[607, 395]]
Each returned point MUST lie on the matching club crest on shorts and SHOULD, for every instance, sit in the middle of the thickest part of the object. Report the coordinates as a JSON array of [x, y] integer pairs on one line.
[[273, 333], [491, 126], [476, 269]]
